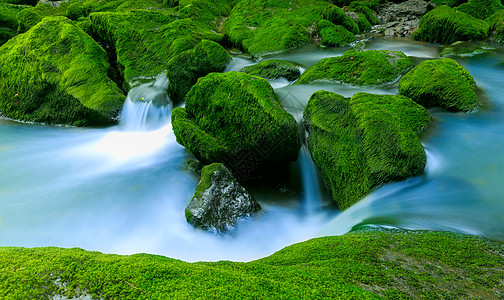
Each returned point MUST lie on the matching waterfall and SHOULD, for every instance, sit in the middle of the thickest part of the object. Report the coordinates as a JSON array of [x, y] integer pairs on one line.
[[311, 187]]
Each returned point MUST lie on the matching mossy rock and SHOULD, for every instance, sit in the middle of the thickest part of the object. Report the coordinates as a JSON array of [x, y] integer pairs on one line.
[[334, 35], [366, 11], [219, 201], [361, 68], [447, 25], [362, 21], [184, 69], [235, 118], [481, 9], [496, 23], [29, 17], [274, 69], [56, 73], [440, 83], [462, 50], [8, 21], [337, 16], [363, 142], [20, 2]]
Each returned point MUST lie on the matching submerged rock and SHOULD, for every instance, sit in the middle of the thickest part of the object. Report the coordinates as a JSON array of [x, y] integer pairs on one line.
[[274, 69], [219, 201], [496, 22], [440, 83], [362, 68], [364, 142], [57, 74], [234, 118]]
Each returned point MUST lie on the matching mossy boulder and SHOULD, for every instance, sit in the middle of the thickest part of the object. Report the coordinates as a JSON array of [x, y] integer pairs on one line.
[[361, 68], [334, 35], [463, 49], [235, 118], [363, 142], [8, 21], [447, 25], [219, 201], [370, 14], [362, 21], [337, 16], [481, 9], [274, 69], [29, 17], [56, 73], [184, 69], [496, 23], [440, 83]]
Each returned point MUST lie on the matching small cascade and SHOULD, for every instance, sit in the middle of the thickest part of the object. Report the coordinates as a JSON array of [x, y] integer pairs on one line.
[[311, 187], [147, 107]]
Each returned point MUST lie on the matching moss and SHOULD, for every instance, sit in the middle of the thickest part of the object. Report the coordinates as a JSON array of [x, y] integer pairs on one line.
[[337, 16], [334, 35], [28, 18], [440, 83], [54, 60], [450, 3], [185, 68], [235, 116], [20, 2], [496, 23], [365, 10], [447, 25], [364, 142], [363, 23], [481, 9], [465, 50], [274, 69], [363, 68], [8, 21]]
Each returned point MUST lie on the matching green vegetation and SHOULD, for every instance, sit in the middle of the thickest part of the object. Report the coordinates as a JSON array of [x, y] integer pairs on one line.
[[20, 2], [234, 115], [481, 9], [8, 21], [465, 49], [337, 16], [29, 17], [363, 265], [274, 69], [363, 23], [447, 25], [56, 73], [365, 10], [440, 83], [185, 68], [364, 142], [334, 35], [496, 22], [363, 68]]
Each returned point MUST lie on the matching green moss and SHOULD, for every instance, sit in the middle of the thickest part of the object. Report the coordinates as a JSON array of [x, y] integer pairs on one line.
[[234, 115], [360, 265], [334, 35], [365, 10], [8, 21], [465, 49], [450, 3], [337, 16], [496, 23], [185, 68], [20, 2], [28, 18], [363, 23], [54, 60], [481, 9], [274, 69], [363, 68], [364, 142], [440, 83], [447, 25]]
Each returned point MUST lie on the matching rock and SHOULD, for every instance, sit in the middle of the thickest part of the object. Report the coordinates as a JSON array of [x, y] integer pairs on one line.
[[334, 35], [184, 69], [361, 68], [401, 19], [274, 69], [465, 49], [337, 16], [219, 201], [496, 23], [440, 83], [447, 25], [481, 9], [234, 118], [364, 142], [8, 21], [55, 73]]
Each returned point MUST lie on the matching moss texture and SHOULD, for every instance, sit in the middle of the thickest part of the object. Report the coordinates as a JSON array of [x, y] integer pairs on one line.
[[337, 16], [8, 21], [362, 68], [496, 23], [28, 18], [481, 9], [363, 23], [261, 27], [274, 69], [234, 118], [360, 265], [366, 11], [55, 73], [184, 69], [440, 83], [447, 25], [364, 142], [334, 35]]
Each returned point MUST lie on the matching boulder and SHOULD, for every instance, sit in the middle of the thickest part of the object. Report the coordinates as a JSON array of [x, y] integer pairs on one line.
[[337, 16], [184, 69], [361, 68], [274, 69], [334, 35], [234, 118], [57, 74], [440, 83], [496, 23], [219, 201], [363, 142], [481, 9]]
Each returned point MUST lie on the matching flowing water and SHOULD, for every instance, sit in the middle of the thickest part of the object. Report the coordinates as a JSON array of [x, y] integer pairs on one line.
[[124, 189]]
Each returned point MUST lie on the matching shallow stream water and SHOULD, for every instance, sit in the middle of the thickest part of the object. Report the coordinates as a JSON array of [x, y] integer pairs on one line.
[[123, 189]]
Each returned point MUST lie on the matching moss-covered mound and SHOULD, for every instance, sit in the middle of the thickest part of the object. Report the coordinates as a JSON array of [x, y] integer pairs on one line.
[[360, 265], [8, 21], [481, 9], [334, 35], [364, 142], [370, 14], [274, 69], [337, 16], [234, 118], [33, 15], [56, 73], [261, 27], [440, 83], [447, 25], [184, 69], [496, 23], [363, 68]]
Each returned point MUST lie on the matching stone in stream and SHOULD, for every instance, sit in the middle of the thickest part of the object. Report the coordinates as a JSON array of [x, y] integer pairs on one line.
[[274, 69], [219, 201]]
